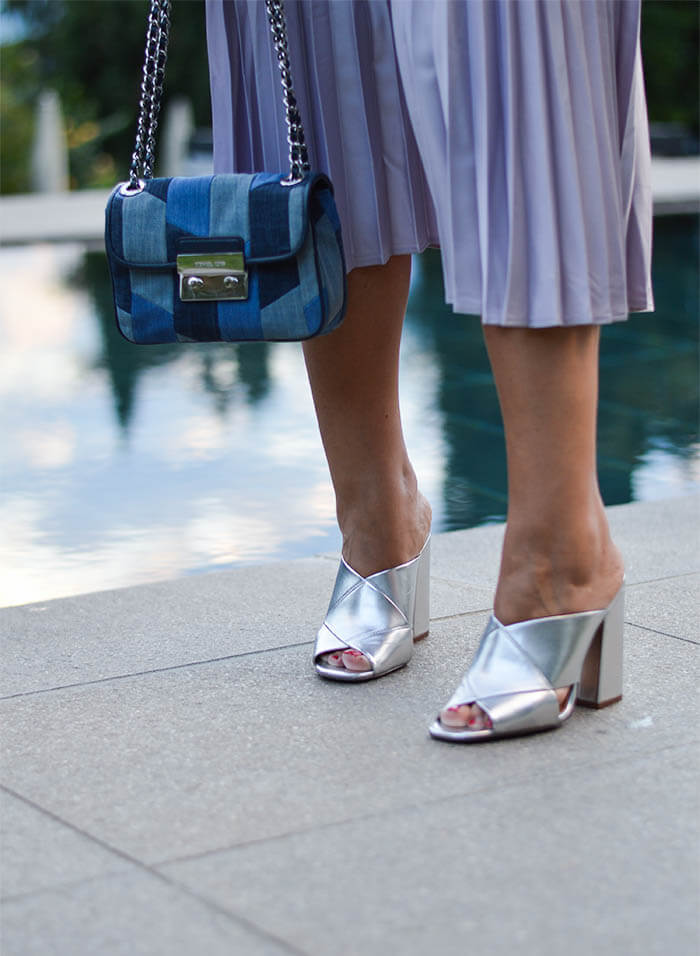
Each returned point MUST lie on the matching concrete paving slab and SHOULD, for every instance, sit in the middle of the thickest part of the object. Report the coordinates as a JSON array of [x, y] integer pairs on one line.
[[658, 539], [469, 557], [132, 914], [166, 624], [134, 630], [671, 606], [190, 760], [205, 617], [51, 217], [577, 860], [39, 852]]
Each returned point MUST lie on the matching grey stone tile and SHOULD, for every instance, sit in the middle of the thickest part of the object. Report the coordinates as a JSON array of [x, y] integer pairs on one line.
[[577, 860], [95, 636], [671, 606], [470, 557], [132, 630], [658, 539], [190, 760], [39, 852], [132, 914], [174, 623]]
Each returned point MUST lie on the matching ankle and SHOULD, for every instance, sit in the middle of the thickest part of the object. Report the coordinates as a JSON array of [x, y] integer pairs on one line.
[[384, 530], [557, 572]]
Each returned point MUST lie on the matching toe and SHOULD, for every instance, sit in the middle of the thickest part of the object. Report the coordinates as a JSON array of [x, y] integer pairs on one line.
[[334, 659], [466, 716], [356, 661], [480, 720], [456, 717]]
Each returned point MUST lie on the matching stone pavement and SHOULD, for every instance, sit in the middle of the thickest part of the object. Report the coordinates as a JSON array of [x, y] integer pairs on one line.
[[176, 779]]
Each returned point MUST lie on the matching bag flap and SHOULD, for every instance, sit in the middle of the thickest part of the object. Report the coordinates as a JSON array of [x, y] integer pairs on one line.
[[144, 229]]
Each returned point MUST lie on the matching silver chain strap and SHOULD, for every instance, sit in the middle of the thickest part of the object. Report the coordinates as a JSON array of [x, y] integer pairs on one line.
[[157, 35], [298, 155], [156, 54]]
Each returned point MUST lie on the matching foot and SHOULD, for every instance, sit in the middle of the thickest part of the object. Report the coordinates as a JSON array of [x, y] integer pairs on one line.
[[367, 554], [523, 595]]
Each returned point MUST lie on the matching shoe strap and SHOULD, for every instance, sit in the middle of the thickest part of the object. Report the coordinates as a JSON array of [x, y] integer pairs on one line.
[[516, 668], [371, 615]]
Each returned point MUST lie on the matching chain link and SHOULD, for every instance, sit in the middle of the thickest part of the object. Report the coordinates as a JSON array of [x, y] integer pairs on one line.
[[298, 154], [157, 35]]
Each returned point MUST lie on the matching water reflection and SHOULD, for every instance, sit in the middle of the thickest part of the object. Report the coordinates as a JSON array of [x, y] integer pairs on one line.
[[123, 464], [222, 366], [648, 389]]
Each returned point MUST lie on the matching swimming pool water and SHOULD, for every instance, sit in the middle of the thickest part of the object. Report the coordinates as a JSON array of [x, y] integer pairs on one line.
[[124, 464]]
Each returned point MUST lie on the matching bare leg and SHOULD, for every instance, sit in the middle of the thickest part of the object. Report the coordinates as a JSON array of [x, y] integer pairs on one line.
[[558, 556], [353, 373]]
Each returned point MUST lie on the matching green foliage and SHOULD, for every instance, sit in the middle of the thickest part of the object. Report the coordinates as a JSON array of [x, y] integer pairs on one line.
[[670, 40], [19, 72], [92, 54]]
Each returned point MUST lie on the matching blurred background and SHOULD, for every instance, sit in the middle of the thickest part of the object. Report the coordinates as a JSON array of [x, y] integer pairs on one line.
[[122, 464]]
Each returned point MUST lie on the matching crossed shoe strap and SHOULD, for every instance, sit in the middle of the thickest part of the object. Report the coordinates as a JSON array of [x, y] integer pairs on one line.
[[365, 614], [517, 667]]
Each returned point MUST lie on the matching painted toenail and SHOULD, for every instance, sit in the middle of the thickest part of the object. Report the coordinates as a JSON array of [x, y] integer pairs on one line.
[[472, 722]]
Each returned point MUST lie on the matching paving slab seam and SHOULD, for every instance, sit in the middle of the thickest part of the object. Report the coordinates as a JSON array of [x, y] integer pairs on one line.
[[154, 670], [58, 887], [169, 881], [270, 650], [667, 577], [460, 583], [653, 630], [381, 814], [197, 663]]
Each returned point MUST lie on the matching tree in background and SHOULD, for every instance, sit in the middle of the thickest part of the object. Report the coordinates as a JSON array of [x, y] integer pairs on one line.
[[91, 52], [670, 40]]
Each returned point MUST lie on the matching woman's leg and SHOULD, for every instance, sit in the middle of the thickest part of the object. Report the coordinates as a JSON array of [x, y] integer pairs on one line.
[[353, 373], [558, 556]]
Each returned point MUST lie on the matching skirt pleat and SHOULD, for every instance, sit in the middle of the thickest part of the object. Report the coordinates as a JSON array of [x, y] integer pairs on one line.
[[511, 133]]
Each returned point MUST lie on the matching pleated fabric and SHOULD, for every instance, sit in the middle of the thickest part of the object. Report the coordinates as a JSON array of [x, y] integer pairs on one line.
[[511, 133]]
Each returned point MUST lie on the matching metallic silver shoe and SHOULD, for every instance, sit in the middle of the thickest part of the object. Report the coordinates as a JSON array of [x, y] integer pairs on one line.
[[518, 666], [380, 616]]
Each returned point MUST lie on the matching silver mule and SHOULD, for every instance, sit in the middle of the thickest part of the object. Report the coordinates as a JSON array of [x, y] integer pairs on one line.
[[380, 615], [518, 666]]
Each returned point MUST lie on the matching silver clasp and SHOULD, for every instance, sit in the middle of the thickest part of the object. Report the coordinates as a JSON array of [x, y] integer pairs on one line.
[[212, 276]]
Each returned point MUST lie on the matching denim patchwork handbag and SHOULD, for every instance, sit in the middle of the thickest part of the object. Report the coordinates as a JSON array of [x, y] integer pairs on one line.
[[232, 257]]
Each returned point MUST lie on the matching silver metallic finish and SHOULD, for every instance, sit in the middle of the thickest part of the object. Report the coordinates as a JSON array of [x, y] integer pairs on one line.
[[157, 35], [518, 666], [212, 276], [156, 54], [132, 188], [298, 155], [380, 615]]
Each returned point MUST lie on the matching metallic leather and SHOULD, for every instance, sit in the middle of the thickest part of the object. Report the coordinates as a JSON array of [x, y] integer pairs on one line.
[[517, 666], [379, 615]]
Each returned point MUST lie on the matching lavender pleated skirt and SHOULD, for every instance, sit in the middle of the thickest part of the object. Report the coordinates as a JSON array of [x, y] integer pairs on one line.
[[511, 133]]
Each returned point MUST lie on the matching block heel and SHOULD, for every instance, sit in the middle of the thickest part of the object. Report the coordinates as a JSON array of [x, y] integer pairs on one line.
[[421, 608], [601, 674]]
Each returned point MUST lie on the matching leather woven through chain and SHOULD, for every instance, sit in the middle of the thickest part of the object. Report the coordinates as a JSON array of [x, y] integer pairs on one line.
[[157, 35]]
